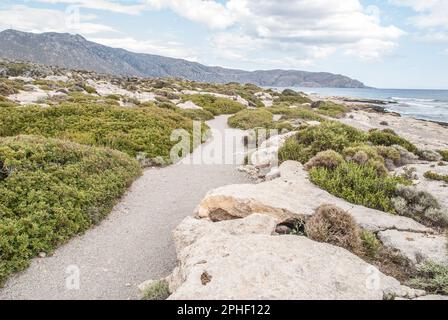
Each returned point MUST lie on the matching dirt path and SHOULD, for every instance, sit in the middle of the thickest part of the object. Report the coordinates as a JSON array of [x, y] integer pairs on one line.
[[134, 243]]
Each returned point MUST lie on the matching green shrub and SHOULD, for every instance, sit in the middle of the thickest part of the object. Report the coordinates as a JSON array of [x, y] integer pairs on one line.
[[17, 69], [115, 97], [361, 154], [419, 205], [330, 109], [133, 131], [326, 159], [296, 113], [250, 119], [359, 184], [215, 105], [444, 154], [372, 246], [435, 176], [333, 225], [314, 139], [51, 190], [159, 290], [89, 89], [432, 278], [197, 114], [290, 97], [389, 138], [6, 103]]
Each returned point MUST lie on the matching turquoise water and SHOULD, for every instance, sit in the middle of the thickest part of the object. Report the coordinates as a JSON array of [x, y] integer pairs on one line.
[[421, 104]]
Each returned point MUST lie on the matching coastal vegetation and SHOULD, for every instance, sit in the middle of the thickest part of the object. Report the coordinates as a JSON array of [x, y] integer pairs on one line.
[[51, 190], [431, 277], [215, 105], [330, 109], [249, 119], [159, 290], [444, 154], [348, 162], [435, 176], [132, 131]]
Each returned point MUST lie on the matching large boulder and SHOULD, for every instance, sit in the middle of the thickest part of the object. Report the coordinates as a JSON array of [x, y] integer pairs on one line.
[[417, 247], [292, 196], [242, 259]]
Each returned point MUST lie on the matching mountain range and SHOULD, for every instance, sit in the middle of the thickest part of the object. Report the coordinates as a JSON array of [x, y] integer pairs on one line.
[[75, 52]]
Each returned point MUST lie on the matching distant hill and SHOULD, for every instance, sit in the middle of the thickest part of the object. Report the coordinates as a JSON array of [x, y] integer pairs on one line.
[[75, 52]]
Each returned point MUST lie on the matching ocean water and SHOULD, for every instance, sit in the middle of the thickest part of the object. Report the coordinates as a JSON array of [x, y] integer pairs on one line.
[[422, 104]]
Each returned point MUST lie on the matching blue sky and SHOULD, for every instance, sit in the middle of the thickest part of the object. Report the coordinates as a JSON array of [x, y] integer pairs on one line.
[[384, 43]]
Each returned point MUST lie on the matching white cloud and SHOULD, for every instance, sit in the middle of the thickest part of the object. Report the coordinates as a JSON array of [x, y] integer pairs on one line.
[[113, 6], [208, 12], [157, 47], [311, 29], [45, 20], [430, 14]]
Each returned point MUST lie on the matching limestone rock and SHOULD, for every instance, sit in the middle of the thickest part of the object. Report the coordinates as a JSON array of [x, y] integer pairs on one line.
[[267, 154], [189, 105], [417, 247], [292, 196], [244, 261]]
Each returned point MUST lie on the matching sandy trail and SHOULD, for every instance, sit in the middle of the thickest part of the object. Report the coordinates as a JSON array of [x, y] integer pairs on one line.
[[134, 243]]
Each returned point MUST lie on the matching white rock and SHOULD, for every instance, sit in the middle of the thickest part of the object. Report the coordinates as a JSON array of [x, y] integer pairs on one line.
[[273, 174], [313, 123], [244, 261], [57, 78], [417, 247], [20, 78], [189, 105], [290, 196]]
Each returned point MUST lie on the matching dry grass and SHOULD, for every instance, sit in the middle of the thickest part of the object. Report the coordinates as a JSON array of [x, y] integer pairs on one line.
[[333, 225]]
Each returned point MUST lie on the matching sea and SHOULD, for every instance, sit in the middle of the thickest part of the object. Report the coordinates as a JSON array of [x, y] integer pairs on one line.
[[421, 104]]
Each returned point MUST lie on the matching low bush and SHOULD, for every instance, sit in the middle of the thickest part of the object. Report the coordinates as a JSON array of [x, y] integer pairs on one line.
[[215, 105], [326, 159], [133, 131], [389, 138], [291, 97], [6, 103], [197, 114], [51, 190], [314, 139], [444, 154], [359, 184], [419, 205], [435, 176], [159, 290], [371, 245], [296, 113], [333, 225], [431, 277], [250, 119], [330, 109]]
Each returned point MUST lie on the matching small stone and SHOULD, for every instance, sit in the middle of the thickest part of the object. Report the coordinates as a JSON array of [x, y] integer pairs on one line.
[[42, 255]]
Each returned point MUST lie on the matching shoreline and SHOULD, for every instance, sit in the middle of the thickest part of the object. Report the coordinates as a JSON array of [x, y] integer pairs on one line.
[[376, 105]]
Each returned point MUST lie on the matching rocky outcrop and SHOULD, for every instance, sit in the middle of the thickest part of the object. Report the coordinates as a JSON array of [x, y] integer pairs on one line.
[[292, 196], [417, 247], [244, 259]]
